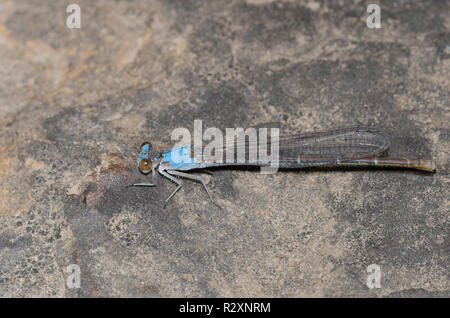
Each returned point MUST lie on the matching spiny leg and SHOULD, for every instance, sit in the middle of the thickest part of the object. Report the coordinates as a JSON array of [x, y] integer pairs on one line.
[[146, 184], [142, 185], [196, 178], [178, 182]]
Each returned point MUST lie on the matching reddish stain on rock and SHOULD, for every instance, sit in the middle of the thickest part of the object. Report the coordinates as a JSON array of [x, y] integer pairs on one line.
[[113, 172]]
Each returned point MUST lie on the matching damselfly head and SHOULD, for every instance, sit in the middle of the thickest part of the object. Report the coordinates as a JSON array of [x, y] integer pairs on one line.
[[144, 159]]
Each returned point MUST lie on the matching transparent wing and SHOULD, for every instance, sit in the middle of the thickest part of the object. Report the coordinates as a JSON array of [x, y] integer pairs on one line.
[[309, 149]]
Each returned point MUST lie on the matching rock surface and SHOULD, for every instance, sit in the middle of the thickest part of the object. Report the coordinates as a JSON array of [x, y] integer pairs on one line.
[[75, 104]]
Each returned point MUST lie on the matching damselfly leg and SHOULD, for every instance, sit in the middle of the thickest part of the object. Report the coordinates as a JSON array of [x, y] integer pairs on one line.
[[175, 180], [147, 184], [195, 178]]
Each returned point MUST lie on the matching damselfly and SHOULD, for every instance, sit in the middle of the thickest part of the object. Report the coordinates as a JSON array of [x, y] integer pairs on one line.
[[352, 146]]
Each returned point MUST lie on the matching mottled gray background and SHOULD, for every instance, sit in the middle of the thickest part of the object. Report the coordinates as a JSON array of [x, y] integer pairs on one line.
[[76, 104]]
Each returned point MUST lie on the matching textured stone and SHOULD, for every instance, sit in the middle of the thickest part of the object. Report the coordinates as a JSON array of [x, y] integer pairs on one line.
[[76, 104]]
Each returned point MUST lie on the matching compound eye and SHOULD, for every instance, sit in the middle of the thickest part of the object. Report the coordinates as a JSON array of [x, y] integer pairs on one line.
[[146, 143], [145, 165]]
